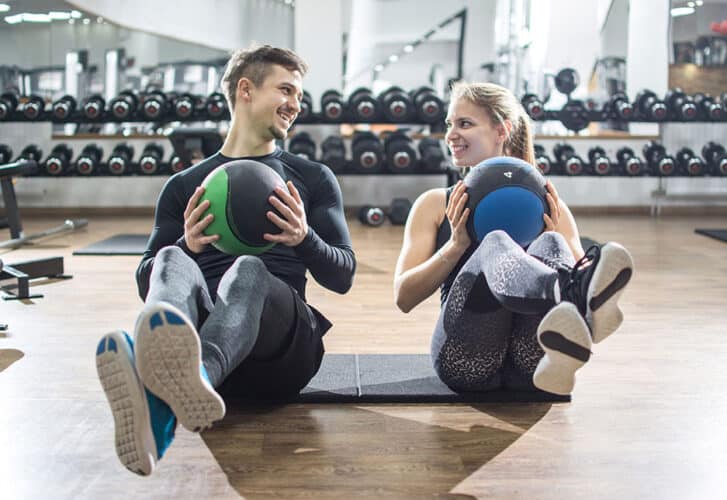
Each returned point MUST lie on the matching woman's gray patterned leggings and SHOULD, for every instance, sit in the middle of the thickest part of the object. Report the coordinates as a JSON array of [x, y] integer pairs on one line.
[[485, 335]]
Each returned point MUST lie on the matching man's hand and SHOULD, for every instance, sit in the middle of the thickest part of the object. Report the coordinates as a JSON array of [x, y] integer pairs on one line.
[[193, 226], [293, 223]]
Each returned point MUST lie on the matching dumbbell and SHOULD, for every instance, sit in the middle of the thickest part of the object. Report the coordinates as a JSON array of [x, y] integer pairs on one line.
[[567, 80], [183, 106], [33, 107], [367, 153], [333, 153], [6, 154], [119, 162], [619, 106], [371, 216], [89, 160], [154, 105], [8, 105], [63, 108], [400, 153], [302, 145], [31, 152], [216, 106], [598, 161], [306, 108], [570, 163], [716, 158], [428, 107], [690, 164], [650, 106], [176, 164], [332, 106], [658, 162], [150, 161], [399, 211], [680, 105], [542, 160], [629, 163], [707, 108], [431, 154], [533, 106], [124, 105], [92, 107], [363, 105], [58, 161], [574, 115], [395, 105]]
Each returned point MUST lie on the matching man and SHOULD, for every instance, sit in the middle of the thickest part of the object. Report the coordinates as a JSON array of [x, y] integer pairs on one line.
[[209, 317]]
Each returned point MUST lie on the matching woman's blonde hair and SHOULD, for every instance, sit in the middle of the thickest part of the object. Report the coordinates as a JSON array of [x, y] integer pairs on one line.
[[501, 106]]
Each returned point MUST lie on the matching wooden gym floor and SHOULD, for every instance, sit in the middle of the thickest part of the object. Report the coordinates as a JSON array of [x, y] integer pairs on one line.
[[647, 418]]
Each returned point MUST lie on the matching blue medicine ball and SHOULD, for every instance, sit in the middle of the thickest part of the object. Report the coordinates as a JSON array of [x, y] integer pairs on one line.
[[509, 194]]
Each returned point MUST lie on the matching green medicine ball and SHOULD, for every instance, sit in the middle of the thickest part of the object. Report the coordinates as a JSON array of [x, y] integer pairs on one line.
[[238, 192]]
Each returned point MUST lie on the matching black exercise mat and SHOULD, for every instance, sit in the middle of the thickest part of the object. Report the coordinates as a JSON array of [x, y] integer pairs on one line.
[[121, 244], [395, 378], [717, 234]]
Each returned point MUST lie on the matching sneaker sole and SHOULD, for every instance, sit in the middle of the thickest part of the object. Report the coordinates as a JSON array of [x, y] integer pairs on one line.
[[168, 358], [566, 340], [614, 271], [132, 430]]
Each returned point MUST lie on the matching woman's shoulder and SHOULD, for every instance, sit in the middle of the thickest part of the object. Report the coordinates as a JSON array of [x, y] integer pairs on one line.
[[431, 204]]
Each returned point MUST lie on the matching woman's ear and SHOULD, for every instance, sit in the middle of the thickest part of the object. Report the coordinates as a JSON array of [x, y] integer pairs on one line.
[[504, 131]]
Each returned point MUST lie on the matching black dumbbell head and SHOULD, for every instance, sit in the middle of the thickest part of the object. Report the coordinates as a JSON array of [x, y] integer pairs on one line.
[[6, 154], [371, 216], [216, 106], [567, 80], [64, 107], [533, 106], [33, 107], [31, 152], [93, 107], [8, 105]]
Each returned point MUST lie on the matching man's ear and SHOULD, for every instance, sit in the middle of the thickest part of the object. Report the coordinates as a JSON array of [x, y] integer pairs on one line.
[[244, 86]]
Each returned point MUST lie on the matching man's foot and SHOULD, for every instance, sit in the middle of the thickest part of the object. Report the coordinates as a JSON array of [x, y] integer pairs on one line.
[[169, 360], [596, 288], [144, 425], [566, 340]]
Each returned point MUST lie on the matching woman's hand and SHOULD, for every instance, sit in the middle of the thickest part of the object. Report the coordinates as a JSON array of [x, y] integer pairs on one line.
[[551, 222], [457, 216]]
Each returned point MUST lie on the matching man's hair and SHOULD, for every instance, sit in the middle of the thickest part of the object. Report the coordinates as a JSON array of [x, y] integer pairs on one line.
[[254, 63]]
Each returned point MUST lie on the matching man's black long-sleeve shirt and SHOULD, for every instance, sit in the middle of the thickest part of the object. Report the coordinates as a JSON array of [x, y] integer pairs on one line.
[[326, 250]]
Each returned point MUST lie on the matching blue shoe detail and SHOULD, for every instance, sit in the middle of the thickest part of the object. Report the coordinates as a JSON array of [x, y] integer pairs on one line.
[[129, 341], [173, 319], [204, 373], [101, 347], [112, 345], [163, 423], [155, 321]]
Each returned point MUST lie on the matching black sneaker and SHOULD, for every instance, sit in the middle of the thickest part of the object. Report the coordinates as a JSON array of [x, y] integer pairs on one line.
[[595, 283]]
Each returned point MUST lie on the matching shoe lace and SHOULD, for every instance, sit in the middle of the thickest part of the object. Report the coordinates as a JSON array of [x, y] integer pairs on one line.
[[574, 287]]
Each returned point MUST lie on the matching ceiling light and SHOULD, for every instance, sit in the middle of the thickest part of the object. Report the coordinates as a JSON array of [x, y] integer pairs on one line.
[[393, 58], [682, 11], [86, 20], [699, 3], [17, 18], [691, 4], [379, 67], [408, 48], [71, 21], [76, 15], [4, 7]]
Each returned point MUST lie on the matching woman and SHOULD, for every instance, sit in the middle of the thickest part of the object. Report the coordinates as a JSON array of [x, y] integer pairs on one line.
[[500, 301]]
